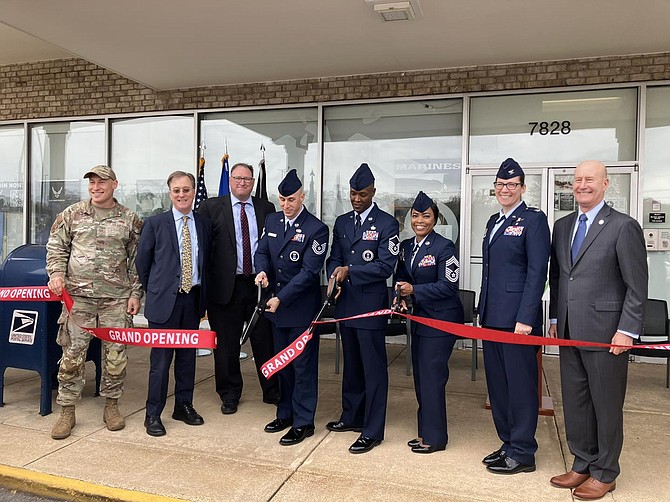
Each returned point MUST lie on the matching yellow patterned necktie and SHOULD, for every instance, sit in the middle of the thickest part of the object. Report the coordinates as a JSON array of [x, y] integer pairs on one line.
[[186, 258]]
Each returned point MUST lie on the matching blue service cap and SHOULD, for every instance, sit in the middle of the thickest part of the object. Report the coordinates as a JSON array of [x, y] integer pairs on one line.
[[362, 178], [509, 169], [422, 202], [290, 184]]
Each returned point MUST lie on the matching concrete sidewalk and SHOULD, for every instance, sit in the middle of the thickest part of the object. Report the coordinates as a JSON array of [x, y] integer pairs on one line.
[[231, 458]]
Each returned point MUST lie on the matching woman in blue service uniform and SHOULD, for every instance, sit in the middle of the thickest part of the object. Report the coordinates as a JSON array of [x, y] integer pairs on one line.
[[428, 271]]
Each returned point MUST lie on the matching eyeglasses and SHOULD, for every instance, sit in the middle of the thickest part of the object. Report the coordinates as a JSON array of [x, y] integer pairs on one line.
[[510, 186], [185, 191], [242, 179]]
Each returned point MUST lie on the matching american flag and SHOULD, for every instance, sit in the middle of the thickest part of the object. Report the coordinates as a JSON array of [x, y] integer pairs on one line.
[[201, 189]]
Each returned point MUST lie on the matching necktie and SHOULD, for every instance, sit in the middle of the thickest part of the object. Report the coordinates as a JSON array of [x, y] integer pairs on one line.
[[358, 223], [246, 241], [288, 227], [579, 237], [186, 258], [415, 250], [494, 229]]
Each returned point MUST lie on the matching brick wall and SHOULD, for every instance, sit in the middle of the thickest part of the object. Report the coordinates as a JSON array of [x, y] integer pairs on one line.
[[74, 87]]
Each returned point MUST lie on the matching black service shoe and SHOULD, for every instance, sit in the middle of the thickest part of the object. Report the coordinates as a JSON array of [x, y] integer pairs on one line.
[[295, 435], [364, 444], [229, 407], [414, 442], [187, 414], [340, 426], [427, 448], [493, 456], [154, 426], [278, 425], [507, 465]]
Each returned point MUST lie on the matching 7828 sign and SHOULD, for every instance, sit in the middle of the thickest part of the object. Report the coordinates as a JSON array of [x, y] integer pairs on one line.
[[550, 128]]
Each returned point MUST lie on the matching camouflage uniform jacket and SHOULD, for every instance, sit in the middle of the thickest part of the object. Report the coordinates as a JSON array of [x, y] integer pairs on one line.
[[96, 255]]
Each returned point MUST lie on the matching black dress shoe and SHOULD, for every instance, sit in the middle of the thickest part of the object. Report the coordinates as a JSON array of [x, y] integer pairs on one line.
[[278, 424], [187, 414], [154, 426], [493, 457], [340, 426], [508, 465], [413, 442], [427, 449], [296, 434], [364, 444], [229, 407]]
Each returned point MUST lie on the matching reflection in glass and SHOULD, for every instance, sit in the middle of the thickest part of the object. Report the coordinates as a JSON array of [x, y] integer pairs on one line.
[[11, 188], [290, 140], [61, 152], [409, 147], [144, 153], [554, 127], [656, 188]]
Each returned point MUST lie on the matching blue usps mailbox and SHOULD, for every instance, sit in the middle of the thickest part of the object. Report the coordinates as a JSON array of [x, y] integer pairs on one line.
[[28, 329]]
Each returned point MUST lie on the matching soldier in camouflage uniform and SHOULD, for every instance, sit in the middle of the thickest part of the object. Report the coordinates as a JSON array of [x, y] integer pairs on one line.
[[91, 253]]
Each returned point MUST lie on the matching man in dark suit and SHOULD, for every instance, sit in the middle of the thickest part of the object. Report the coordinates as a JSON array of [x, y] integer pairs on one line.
[[171, 263], [289, 259], [598, 279], [515, 253], [237, 224], [364, 253]]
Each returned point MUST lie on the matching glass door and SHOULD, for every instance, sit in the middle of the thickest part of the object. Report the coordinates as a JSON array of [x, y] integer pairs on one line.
[[547, 188]]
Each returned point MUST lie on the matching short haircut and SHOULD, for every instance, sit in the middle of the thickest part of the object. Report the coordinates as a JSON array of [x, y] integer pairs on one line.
[[242, 164], [181, 174]]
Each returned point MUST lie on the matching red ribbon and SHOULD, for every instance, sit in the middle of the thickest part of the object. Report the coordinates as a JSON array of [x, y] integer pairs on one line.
[[142, 337], [284, 357]]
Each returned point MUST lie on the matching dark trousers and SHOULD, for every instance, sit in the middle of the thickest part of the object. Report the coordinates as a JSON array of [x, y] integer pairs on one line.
[[228, 321], [430, 360], [511, 378], [365, 380], [185, 316], [299, 381], [594, 389]]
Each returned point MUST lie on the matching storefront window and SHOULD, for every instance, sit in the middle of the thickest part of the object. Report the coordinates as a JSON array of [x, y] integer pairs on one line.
[[290, 140], [656, 191], [11, 188], [144, 153], [409, 147], [554, 127], [61, 152]]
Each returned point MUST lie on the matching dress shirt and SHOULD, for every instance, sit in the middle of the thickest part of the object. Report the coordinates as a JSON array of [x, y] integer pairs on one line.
[[253, 230]]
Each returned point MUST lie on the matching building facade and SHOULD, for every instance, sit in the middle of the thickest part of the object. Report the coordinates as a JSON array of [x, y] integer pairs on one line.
[[443, 131]]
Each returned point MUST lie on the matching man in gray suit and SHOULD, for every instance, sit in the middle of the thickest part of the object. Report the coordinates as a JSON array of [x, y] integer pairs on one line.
[[598, 278]]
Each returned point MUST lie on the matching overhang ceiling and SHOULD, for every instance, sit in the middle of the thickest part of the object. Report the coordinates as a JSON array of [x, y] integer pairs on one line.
[[169, 44]]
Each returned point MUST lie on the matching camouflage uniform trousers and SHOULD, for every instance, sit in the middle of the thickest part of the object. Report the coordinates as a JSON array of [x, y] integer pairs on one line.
[[91, 313]]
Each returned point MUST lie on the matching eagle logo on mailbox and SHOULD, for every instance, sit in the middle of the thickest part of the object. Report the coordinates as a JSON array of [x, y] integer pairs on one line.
[[24, 327]]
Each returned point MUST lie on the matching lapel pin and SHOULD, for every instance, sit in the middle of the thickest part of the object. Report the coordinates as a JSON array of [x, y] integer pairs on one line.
[[601, 222], [373, 227], [298, 231], [370, 218]]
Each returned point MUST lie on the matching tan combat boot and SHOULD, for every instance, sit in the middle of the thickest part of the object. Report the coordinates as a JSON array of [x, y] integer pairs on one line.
[[112, 416], [66, 422]]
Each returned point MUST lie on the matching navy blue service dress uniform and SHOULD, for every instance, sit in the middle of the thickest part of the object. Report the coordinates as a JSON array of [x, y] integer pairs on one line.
[[292, 260], [515, 262], [370, 253], [434, 274]]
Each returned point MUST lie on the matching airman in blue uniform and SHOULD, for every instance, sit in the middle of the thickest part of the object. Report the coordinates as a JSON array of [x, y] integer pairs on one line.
[[289, 258], [428, 271], [363, 256], [515, 252]]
